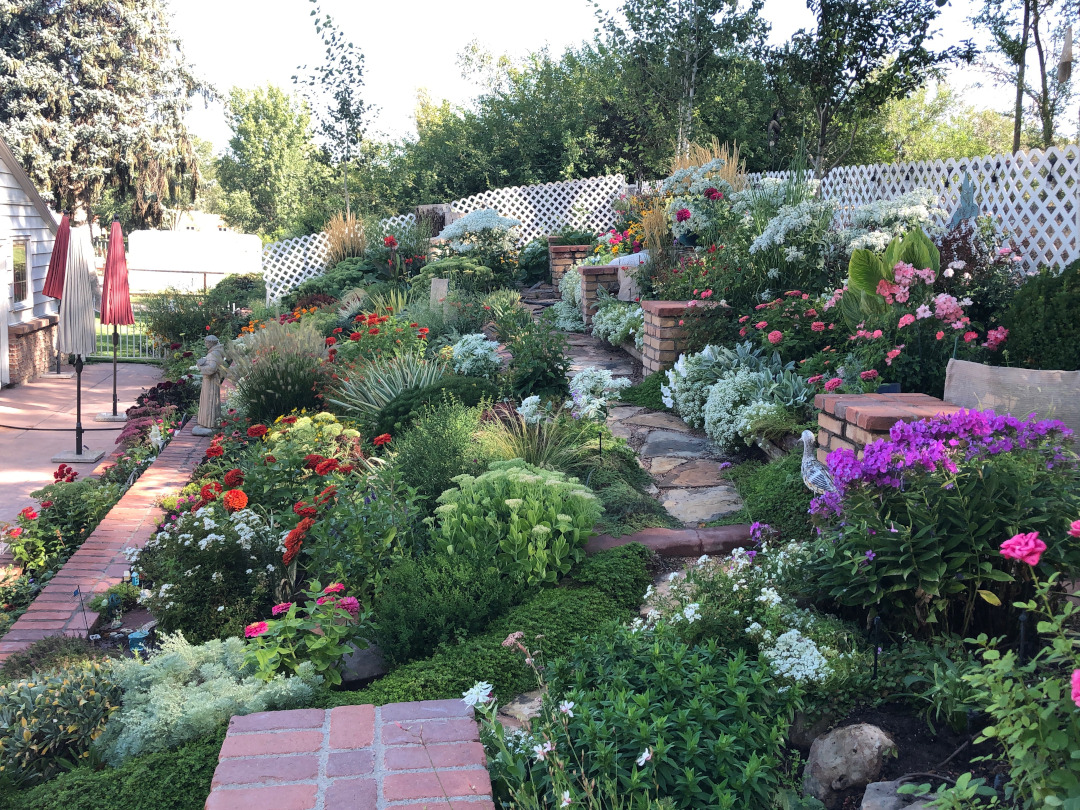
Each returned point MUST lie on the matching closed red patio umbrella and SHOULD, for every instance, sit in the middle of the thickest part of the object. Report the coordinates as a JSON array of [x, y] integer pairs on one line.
[[54, 278], [115, 299]]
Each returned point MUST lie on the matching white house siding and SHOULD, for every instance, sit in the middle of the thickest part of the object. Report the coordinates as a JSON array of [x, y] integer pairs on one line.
[[19, 217]]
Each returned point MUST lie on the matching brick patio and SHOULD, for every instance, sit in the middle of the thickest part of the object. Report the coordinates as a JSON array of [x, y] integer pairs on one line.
[[420, 755], [99, 562]]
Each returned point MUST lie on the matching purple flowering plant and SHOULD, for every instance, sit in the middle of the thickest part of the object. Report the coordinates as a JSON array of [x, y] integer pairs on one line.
[[933, 503]]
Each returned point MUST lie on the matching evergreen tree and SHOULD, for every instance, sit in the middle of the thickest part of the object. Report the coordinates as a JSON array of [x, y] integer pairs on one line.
[[92, 96]]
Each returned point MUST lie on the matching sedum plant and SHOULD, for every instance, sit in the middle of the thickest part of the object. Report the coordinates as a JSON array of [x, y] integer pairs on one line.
[[533, 522]]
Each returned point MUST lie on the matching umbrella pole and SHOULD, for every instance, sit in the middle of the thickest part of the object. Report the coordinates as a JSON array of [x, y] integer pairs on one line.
[[78, 406], [115, 344]]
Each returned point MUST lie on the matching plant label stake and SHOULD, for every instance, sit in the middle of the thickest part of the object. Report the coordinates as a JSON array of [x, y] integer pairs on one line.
[[874, 636]]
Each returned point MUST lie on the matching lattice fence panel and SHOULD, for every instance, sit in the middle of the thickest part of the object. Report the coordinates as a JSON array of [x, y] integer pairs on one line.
[[289, 262], [545, 208], [1034, 196]]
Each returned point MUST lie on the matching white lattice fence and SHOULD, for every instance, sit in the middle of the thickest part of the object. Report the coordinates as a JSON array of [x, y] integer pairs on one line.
[[545, 208], [291, 261], [542, 209], [1033, 195]]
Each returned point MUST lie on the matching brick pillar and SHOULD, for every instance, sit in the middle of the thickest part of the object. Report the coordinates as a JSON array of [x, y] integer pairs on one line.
[[855, 420], [30, 348], [594, 276], [562, 257], [665, 339]]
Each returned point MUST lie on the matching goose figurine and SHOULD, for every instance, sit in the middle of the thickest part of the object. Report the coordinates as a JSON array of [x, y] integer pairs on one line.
[[815, 475]]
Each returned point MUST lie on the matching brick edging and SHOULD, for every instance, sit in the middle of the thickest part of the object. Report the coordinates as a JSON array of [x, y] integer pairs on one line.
[[99, 562]]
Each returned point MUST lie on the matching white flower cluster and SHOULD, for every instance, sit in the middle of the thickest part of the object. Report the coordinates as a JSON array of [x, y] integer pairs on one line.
[[568, 310], [807, 220], [483, 219], [589, 392], [797, 657], [875, 224], [530, 410], [727, 399], [688, 383], [695, 180], [475, 356], [616, 322]]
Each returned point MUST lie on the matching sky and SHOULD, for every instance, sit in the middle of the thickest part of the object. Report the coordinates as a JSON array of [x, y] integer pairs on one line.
[[413, 45]]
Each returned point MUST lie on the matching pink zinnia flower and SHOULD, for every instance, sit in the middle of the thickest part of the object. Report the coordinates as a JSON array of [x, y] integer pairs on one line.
[[1024, 547], [817, 326], [868, 375], [744, 319], [277, 610], [775, 336], [256, 629], [337, 587], [1074, 529], [761, 324], [815, 379], [833, 384], [350, 604], [1076, 687], [682, 215]]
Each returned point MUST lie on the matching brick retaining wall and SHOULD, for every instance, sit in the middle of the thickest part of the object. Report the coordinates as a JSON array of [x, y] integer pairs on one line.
[[665, 338], [593, 277], [855, 420], [562, 257], [31, 348]]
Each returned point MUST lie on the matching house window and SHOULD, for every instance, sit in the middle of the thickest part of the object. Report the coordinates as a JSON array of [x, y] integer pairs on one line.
[[20, 265]]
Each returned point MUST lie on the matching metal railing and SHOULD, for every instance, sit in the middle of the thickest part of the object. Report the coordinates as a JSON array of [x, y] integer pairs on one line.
[[133, 342]]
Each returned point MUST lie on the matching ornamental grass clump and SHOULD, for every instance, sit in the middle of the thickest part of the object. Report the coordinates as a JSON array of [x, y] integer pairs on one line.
[[912, 532], [532, 522], [278, 369]]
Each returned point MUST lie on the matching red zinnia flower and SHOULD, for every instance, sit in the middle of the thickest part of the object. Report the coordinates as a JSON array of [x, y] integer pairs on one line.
[[210, 491], [379, 441], [271, 460], [355, 336], [313, 460], [257, 431], [327, 467], [288, 420], [330, 341], [46, 504], [302, 509], [338, 330], [214, 450], [29, 513], [325, 496], [234, 478]]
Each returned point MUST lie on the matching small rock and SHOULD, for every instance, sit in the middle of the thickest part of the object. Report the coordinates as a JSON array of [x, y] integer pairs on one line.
[[620, 431], [671, 443], [524, 707], [620, 412], [883, 796], [845, 760]]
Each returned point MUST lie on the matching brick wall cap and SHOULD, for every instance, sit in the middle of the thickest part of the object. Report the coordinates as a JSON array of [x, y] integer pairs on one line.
[[34, 325], [567, 248], [598, 269]]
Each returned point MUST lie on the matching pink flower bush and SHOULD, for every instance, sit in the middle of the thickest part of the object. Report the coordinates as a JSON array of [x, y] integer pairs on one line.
[[775, 337], [1027, 548]]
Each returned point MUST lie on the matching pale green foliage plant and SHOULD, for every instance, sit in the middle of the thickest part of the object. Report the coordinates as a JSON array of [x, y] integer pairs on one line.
[[183, 692], [533, 522], [371, 388]]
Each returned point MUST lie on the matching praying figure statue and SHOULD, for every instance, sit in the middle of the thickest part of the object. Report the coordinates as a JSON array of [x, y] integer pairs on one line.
[[212, 368]]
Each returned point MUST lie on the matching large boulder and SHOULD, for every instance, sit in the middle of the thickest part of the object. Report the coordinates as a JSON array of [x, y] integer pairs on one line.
[[844, 761]]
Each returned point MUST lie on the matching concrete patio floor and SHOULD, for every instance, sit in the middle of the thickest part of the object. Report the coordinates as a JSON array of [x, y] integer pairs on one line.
[[46, 402]]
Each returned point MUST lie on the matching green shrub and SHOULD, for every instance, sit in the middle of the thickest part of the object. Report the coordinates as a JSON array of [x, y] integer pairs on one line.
[[465, 274], [177, 316], [402, 410], [69, 511], [560, 615], [242, 289], [715, 730], [774, 493], [278, 369], [170, 780], [1044, 331], [532, 522], [346, 275], [49, 653], [621, 484], [622, 573], [533, 262], [185, 692], [436, 599], [48, 722], [437, 448], [540, 361], [126, 593]]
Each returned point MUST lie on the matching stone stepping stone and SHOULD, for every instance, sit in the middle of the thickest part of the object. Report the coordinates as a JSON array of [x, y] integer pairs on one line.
[[621, 412], [696, 473], [658, 419], [673, 443], [664, 464], [701, 505]]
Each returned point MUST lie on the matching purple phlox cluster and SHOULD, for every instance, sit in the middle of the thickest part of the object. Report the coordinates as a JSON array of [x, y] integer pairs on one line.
[[759, 531]]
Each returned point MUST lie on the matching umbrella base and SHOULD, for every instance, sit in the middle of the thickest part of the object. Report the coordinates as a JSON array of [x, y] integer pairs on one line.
[[87, 457], [109, 417], [57, 375]]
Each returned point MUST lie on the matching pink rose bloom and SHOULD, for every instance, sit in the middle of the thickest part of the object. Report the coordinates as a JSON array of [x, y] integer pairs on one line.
[[775, 336], [970, 336], [906, 320], [277, 610], [1074, 529], [337, 587], [833, 384], [817, 326], [1024, 547], [1076, 687], [761, 324], [350, 604], [256, 629], [682, 215]]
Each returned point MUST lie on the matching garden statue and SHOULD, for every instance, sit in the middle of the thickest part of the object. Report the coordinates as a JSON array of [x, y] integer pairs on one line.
[[212, 368], [968, 208], [815, 475]]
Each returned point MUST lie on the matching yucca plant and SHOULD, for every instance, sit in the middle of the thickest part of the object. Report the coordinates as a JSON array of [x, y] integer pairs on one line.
[[364, 393]]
